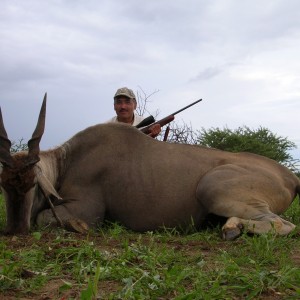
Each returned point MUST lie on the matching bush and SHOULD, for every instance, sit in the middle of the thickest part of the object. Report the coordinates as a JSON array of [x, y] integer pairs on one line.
[[260, 141]]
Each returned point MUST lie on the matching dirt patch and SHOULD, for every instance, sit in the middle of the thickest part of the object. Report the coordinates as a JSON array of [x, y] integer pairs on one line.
[[54, 289], [295, 256], [107, 287]]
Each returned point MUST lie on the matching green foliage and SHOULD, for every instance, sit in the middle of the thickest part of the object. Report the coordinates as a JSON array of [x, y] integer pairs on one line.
[[292, 214], [261, 141], [92, 289]]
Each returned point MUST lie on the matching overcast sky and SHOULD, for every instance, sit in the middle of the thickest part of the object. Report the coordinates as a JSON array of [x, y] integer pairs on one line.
[[240, 57]]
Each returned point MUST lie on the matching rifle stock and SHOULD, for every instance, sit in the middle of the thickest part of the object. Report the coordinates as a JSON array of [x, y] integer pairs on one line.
[[161, 122]]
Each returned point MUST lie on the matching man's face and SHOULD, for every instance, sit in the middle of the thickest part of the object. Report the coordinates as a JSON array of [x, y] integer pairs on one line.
[[124, 108]]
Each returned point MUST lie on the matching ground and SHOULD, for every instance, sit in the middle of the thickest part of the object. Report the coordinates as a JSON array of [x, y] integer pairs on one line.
[[119, 264]]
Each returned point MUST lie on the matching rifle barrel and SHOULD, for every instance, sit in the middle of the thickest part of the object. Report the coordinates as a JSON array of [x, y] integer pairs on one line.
[[180, 110]]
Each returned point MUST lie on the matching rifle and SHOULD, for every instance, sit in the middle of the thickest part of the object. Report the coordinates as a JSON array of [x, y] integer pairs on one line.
[[150, 121]]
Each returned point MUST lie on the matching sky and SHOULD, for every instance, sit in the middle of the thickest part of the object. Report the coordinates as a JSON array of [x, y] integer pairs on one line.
[[240, 57]]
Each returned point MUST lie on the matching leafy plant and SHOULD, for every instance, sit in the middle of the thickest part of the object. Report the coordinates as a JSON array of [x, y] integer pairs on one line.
[[243, 139]]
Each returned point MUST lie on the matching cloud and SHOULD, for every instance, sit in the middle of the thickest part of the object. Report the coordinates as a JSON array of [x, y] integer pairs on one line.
[[207, 74], [211, 72], [240, 57]]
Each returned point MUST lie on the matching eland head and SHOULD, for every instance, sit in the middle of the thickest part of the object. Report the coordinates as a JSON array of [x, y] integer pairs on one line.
[[18, 178]]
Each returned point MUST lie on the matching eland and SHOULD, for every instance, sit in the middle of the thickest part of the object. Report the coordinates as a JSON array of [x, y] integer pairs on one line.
[[114, 172]]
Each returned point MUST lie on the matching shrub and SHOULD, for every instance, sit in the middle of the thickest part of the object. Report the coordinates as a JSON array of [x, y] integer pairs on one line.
[[260, 141]]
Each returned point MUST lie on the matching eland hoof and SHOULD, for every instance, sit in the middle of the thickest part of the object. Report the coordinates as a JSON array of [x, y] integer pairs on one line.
[[230, 234], [76, 225]]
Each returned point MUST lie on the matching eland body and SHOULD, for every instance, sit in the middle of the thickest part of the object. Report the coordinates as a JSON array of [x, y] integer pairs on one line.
[[112, 171]]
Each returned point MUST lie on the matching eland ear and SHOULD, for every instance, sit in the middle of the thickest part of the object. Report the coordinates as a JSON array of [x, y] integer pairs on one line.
[[34, 142], [5, 144]]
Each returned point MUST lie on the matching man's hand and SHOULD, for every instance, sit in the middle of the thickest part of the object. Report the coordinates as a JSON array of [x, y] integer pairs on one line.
[[154, 130]]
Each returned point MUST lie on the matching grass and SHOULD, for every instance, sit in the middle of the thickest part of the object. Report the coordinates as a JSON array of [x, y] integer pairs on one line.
[[115, 263]]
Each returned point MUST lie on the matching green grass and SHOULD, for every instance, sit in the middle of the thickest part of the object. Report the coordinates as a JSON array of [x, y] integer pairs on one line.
[[115, 263]]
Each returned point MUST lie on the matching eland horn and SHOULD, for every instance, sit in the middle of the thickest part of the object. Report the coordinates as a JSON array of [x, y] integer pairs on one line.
[[5, 145], [34, 142]]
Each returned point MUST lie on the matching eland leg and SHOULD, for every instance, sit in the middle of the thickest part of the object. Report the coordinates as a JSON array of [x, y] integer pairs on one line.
[[251, 201], [66, 220], [73, 215]]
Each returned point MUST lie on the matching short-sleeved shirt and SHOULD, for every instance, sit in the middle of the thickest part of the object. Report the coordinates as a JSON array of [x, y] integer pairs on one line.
[[137, 119]]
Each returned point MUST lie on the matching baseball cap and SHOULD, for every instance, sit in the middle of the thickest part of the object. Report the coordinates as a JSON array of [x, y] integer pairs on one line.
[[124, 91]]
